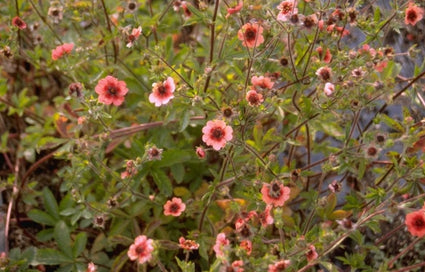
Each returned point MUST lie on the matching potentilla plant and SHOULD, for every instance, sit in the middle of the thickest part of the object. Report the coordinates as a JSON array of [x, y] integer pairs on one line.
[[212, 135]]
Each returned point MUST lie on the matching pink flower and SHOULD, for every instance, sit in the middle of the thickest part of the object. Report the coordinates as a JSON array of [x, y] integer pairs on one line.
[[61, 50], [221, 243], [380, 66], [247, 246], [174, 207], [254, 98], [141, 250], [135, 33], [162, 92], [329, 89], [111, 91], [187, 244], [235, 9], [262, 82], [237, 266], [287, 9], [200, 152], [251, 35], [91, 267], [275, 193], [217, 134], [265, 217], [279, 266], [328, 56], [413, 14], [18, 22], [415, 222], [311, 253], [324, 73]]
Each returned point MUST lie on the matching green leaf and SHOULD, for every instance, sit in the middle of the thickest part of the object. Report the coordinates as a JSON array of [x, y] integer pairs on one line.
[[45, 235], [173, 156], [41, 217], [79, 244], [177, 171], [63, 238], [50, 203], [185, 120], [50, 256], [162, 181], [119, 261]]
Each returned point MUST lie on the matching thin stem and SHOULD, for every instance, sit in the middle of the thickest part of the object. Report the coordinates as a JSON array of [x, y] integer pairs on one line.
[[15, 195], [108, 22], [45, 21], [409, 247]]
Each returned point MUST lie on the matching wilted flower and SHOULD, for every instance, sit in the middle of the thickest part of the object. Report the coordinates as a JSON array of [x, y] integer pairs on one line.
[[287, 9], [75, 87], [55, 12], [174, 207], [247, 246], [18, 22], [235, 9], [188, 244], [279, 266], [265, 217], [154, 153], [324, 73], [311, 253], [111, 91], [254, 98], [251, 35], [141, 249], [131, 6], [135, 33]]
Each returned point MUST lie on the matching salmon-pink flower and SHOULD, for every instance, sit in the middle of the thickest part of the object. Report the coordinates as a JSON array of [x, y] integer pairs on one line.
[[311, 253], [188, 244], [415, 222], [287, 9], [18, 22], [251, 35], [247, 246], [61, 50], [328, 56], [235, 9], [275, 193], [237, 266], [254, 98], [329, 89], [380, 66], [217, 134], [135, 33], [413, 14], [262, 82], [174, 207], [279, 266], [265, 217], [162, 92], [221, 244], [141, 249], [111, 91]]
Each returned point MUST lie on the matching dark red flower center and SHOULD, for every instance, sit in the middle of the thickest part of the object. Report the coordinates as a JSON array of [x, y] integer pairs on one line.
[[371, 151], [250, 34], [140, 250], [275, 191], [412, 15], [217, 133], [419, 222], [253, 99], [162, 90], [174, 208], [111, 90], [286, 7], [154, 152], [324, 73], [18, 22]]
